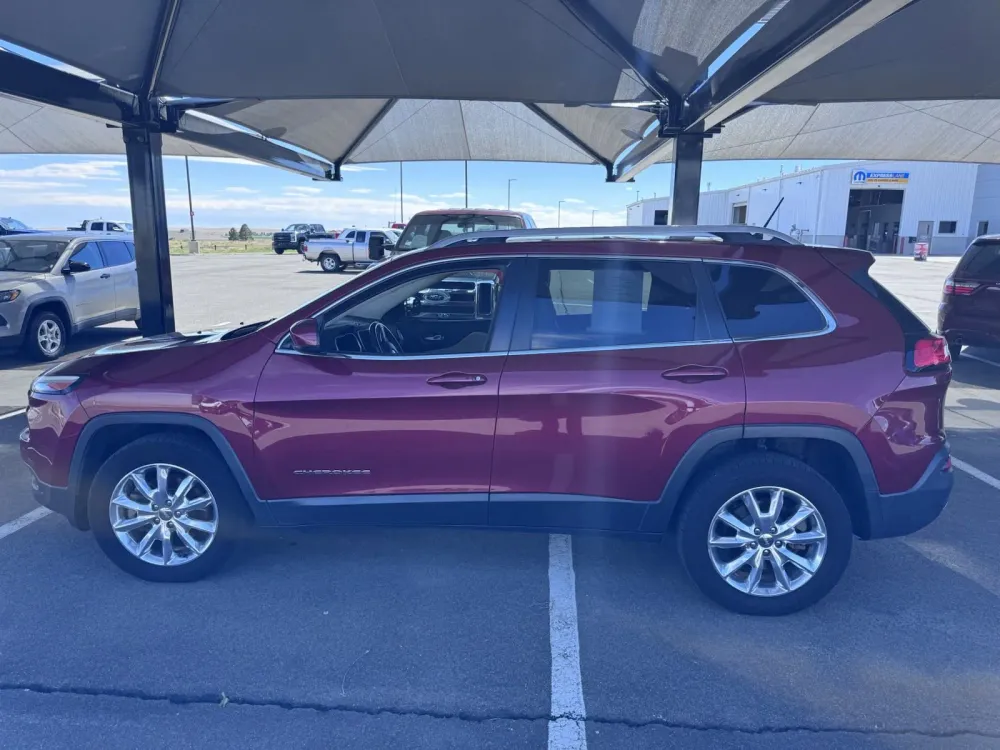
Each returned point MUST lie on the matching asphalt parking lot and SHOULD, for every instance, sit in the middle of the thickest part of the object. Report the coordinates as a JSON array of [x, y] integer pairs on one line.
[[434, 639]]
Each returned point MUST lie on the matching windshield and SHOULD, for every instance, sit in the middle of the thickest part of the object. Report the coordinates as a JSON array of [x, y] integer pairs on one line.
[[125, 225], [29, 255], [430, 228], [14, 225]]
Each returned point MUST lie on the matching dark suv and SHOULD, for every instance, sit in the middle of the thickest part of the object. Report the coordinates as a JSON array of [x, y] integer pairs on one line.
[[970, 309], [762, 401]]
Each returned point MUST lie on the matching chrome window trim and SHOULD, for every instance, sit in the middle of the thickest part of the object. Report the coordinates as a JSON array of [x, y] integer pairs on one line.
[[666, 233]]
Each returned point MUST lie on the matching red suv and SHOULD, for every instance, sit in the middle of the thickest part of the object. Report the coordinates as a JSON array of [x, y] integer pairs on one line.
[[762, 401], [970, 310]]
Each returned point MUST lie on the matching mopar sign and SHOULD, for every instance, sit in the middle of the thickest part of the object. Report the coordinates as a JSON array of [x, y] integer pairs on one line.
[[863, 177]]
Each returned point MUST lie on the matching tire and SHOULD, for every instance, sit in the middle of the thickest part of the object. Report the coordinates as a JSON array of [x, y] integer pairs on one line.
[[955, 350], [724, 484], [298, 247], [330, 263], [181, 454], [45, 337], [279, 251]]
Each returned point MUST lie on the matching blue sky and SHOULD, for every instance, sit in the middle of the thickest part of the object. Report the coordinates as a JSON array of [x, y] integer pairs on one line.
[[57, 191]]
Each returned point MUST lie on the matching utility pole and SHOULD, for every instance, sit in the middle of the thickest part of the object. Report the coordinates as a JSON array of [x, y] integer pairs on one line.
[[559, 214], [401, 219], [466, 184], [192, 247], [592, 213], [512, 179]]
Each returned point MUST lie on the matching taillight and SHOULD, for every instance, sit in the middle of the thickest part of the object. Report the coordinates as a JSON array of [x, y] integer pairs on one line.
[[960, 288], [928, 352], [305, 247]]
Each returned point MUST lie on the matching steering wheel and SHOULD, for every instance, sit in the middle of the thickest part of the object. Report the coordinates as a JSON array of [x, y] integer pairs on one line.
[[386, 340]]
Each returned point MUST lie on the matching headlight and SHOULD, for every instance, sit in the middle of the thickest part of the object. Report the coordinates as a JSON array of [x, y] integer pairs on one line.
[[54, 385], [10, 295]]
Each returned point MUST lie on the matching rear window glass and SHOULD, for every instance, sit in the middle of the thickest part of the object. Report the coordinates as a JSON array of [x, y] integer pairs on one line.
[[759, 303], [981, 261]]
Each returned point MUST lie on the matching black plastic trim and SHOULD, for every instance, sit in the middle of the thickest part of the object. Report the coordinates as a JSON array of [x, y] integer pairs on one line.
[[565, 511], [431, 509], [261, 512]]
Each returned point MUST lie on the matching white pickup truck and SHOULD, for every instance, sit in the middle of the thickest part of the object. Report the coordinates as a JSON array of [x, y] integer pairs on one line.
[[349, 249]]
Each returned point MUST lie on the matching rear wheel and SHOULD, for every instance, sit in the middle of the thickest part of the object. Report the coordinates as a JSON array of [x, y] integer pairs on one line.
[[330, 263], [765, 534], [165, 509], [955, 349], [45, 337], [279, 251], [300, 246]]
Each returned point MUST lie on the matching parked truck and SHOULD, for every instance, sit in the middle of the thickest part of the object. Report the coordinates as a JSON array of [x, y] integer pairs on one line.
[[349, 249], [102, 225], [294, 236]]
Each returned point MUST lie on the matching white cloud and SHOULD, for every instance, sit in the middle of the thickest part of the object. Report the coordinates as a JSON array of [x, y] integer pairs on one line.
[[37, 185], [359, 168], [102, 169], [460, 194], [572, 200], [361, 191], [240, 189], [222, 160], [302, 190]]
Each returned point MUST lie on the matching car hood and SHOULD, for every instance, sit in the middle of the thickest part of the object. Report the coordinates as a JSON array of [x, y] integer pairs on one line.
[[12, 278], [164, 341]]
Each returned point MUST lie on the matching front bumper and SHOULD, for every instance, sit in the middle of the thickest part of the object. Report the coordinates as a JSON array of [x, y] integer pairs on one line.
[[903, 513], [60, 500]]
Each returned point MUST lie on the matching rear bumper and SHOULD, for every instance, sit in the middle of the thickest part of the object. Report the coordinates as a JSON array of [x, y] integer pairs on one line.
[[905, 512], [972, 331]]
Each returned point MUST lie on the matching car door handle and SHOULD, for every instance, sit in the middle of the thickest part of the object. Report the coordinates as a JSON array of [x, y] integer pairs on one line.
[[105, 275], [694, 373], [456, 380]]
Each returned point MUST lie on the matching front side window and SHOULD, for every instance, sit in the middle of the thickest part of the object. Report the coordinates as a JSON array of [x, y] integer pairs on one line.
[[97, 226], [583, 303], [89, 253], [28, 255], [759, 303], [436, 313], [117, 253], [316, 228]]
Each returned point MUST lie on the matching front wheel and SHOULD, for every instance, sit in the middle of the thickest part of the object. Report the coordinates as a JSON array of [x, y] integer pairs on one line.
[[765, 534], [279, 251], [330, 263], [166, 509], [45, 337]]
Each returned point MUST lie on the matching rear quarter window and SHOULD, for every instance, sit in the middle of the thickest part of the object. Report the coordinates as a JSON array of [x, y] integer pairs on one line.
[[759, 303]]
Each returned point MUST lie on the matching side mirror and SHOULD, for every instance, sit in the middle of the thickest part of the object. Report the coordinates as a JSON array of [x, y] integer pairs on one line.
[[75, 266], [305, 336], [376, 247]]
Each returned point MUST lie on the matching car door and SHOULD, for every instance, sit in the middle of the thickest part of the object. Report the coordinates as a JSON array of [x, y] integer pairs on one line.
[[91, 293], [359, 246], [121, 265], [616, 368], [349, 433]]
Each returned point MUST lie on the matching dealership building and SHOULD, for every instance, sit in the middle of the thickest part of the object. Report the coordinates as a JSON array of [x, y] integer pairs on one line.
[[885, 207]]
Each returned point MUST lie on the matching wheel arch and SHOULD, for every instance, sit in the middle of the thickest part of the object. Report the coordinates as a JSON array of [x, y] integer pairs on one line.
[[833, 451], [103, 435], [56, 305]]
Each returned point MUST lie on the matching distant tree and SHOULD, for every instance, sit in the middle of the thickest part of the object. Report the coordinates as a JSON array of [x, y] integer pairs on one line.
[[245, 234], [233, 234]]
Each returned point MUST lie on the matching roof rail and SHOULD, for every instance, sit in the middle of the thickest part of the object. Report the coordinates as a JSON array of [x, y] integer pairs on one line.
[[710, 233]]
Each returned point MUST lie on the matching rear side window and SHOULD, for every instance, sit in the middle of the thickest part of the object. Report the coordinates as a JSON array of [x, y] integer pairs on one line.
[[759, 303], [116, 253], [583, 303], [981, 261]]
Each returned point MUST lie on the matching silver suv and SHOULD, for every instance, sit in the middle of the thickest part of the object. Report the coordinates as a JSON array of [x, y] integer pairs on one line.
[[53, 284]]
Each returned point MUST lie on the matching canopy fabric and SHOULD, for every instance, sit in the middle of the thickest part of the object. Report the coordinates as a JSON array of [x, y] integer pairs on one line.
[[964, 131], [529, 50], [430, 130]]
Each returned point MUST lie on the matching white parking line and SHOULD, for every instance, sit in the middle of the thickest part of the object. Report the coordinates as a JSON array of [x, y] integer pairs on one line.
[[966, 355], [19, 523], [568, 730], [14, 413], [982, 476]]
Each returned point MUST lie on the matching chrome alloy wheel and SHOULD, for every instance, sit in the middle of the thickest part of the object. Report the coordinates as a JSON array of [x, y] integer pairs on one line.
[[49, 337], [163, 514], [767, 541]]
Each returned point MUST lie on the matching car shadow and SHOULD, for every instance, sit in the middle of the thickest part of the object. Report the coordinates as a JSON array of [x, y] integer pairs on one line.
[[81, 343], [972, 372]]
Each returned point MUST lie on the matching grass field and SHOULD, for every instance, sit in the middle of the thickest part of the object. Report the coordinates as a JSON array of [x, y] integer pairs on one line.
[[207, 247]]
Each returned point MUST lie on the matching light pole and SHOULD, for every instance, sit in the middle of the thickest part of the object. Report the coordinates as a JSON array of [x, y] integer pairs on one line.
[[559, 214], [593, 211], [512, 179]]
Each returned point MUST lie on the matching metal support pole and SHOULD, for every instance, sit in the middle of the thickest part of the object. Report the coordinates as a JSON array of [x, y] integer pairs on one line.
[[401, 219], [687, 178], [466, 184], [187, 171], [143, 153]]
